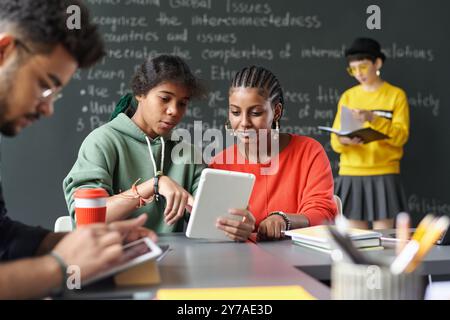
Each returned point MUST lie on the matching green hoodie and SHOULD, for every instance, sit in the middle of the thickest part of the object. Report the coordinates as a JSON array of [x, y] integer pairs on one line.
[[115, 155]]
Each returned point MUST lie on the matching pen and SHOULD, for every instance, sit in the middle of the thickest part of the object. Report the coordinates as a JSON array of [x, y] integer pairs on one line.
[[383, 114], [421, 228], [428, 240], [402, 231], [405, 257]]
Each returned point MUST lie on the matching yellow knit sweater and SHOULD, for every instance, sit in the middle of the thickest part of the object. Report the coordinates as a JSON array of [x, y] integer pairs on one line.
[[382, 156]]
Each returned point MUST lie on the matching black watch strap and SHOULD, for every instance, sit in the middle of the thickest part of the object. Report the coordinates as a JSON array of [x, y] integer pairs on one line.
[[156, 185]]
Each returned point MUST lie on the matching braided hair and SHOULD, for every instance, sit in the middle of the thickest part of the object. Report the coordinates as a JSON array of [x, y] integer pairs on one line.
[[264, 80]]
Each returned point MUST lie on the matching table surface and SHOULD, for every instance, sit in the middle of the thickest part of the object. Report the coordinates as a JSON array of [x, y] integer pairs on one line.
[[318, 264], [200, 263]]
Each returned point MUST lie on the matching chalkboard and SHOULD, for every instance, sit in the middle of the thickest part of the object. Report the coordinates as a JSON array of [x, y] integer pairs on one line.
[[302, 42]]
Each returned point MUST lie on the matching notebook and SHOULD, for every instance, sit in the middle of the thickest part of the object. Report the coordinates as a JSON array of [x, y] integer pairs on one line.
[[320, 234], [362, 243], [329, 250], [351, 128]]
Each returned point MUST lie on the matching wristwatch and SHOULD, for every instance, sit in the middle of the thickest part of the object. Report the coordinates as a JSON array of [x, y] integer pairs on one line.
[[156, 185], [284, 216]]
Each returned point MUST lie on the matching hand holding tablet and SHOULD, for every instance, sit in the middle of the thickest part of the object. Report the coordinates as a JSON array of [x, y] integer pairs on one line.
[[218, 192], [134, 253], [237, 230]]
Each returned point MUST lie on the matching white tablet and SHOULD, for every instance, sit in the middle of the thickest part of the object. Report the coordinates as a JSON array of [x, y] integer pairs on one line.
[[218, 191], [135, 253]]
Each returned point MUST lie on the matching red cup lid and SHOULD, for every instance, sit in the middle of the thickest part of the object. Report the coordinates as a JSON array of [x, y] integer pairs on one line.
[[91, 193]]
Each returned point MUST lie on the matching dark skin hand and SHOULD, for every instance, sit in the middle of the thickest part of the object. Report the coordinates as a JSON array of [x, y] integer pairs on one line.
[[272, 227]]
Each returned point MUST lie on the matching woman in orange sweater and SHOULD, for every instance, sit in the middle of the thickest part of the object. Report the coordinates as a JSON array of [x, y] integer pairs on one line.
[[294, 182]]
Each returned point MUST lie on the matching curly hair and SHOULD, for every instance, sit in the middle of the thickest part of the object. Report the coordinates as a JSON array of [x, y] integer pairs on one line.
[[166, 68], [43, 24]]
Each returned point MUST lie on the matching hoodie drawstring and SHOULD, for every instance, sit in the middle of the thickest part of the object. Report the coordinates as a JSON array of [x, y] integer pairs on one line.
[[152, 158]]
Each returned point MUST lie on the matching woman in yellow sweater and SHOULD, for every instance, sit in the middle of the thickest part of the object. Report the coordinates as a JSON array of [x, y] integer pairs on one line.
[[369, 175]]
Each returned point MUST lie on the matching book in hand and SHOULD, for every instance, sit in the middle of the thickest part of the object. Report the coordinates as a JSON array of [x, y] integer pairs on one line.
[[365, 134], [353, 128]]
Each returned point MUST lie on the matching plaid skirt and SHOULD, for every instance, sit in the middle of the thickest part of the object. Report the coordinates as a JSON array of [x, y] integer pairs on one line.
[[371, 198]]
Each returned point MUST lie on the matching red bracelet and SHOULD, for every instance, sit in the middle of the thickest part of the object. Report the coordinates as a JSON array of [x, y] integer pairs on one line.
[[142, 201]]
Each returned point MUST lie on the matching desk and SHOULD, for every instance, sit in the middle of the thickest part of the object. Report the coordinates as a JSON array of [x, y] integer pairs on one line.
[[196, 263], [318, 264]]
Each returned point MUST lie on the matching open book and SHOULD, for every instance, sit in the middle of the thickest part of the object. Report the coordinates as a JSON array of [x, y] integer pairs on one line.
[[351, 127]]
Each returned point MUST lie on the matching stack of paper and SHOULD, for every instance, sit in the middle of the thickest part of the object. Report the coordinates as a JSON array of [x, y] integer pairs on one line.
[[317, 238]]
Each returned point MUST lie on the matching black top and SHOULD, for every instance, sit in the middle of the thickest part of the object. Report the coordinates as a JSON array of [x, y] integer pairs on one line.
[[16, 239]]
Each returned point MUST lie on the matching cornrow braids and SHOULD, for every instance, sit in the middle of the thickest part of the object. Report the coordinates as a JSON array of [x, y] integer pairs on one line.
[[262, 79]]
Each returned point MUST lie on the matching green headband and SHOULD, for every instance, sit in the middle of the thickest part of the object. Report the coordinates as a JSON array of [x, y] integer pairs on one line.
[[125, 101]]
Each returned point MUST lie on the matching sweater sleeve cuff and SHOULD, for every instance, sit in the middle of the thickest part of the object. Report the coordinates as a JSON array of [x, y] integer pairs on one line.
[[316, 218], [380, 124], [25, 240]]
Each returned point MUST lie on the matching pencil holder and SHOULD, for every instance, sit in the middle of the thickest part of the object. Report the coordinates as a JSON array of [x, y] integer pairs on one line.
[[373, 282]]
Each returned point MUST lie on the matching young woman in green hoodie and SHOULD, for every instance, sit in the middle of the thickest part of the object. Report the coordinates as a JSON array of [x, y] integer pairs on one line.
[[130, 157]]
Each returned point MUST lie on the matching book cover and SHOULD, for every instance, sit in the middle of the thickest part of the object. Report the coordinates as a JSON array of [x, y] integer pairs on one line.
[[365, 134], [352, 128]]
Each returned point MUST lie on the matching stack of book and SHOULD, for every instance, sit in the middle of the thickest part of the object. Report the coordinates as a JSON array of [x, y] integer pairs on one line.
[[317, 238]]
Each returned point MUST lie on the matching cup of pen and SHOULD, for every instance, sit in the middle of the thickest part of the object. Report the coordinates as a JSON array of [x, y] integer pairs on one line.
[[374, 282], [90, 206]]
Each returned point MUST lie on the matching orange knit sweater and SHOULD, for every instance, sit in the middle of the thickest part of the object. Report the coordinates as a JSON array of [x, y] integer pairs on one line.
[[303, 183]]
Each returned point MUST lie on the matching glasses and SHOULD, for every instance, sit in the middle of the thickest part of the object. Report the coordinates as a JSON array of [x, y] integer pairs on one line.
[[48, 91], [363, 68]]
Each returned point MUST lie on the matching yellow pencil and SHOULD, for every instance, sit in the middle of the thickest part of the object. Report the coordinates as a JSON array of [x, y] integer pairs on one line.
[[431, 235], [422, 227]]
